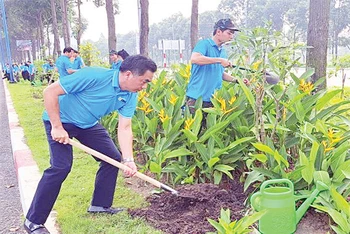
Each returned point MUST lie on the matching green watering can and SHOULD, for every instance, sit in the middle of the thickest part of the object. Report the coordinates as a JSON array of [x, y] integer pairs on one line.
[[279, 202]]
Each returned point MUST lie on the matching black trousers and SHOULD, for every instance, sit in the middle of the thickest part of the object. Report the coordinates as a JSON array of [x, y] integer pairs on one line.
[[61, 160]]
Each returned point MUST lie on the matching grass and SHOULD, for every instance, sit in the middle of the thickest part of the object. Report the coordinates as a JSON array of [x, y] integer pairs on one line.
[[76, 191]]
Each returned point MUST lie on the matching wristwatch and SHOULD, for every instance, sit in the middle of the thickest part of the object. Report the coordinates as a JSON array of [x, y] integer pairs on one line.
[[128, 160]]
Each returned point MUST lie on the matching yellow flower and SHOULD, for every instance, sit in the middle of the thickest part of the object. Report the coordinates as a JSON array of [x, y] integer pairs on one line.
[[284, 114], [232, 100], [336, 140], [173, 99], [188, 123], [324, 143], [145, 106], [332, 140], [255, 65], [163, 116], [328, 149], [223, 106], [330, 133], [306, 87], [186, 73], [141, 95]]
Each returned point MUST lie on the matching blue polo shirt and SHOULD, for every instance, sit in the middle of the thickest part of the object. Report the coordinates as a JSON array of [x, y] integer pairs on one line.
[[78, 63], [205, 79], [31, 69], [23, 68], [91, 93], [63, 64], [116, 65]]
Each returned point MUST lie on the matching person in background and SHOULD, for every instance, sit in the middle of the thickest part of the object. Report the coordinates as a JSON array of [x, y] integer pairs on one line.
[[209, 60], [117, 58], [74, 106], [7, 71], [24, 71], [122, 55], [31, 70], [48, 69], [64, 66], [16, 70], [77, 61]]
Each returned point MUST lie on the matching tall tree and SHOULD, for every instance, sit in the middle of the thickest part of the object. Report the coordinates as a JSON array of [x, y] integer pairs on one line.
[[339, 20], [194, 23], [56, 38], [111, 10], [144, 27], [317, 38], [112, 38], [65, 23], [80, 24]]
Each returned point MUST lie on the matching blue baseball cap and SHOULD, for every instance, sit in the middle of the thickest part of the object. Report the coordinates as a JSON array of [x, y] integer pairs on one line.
[[225, 24]]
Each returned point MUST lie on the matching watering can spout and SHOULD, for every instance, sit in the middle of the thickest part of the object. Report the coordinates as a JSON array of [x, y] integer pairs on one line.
[[320, 186]]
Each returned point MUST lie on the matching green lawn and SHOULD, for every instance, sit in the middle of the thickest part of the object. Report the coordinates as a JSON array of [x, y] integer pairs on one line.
[[76, 191]]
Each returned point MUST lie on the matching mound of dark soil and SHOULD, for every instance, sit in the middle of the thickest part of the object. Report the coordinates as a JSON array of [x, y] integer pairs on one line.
[[188, 212]]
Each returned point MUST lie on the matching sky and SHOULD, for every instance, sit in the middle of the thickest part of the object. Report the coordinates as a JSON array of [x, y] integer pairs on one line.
[[127, 19]]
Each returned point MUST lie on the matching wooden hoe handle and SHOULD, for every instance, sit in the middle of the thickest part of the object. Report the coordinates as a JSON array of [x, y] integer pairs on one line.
[[120, 165]]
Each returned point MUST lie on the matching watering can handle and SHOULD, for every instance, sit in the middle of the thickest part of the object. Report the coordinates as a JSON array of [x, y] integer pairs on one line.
[[277, 181], [255, 201]]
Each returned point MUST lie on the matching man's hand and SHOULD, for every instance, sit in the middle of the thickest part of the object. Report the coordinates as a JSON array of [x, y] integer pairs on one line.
[[225, 63], [60, 135], [132, 169]]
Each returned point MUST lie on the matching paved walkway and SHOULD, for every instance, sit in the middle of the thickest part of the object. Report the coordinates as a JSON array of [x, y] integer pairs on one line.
[[10, 204], [19, 160]]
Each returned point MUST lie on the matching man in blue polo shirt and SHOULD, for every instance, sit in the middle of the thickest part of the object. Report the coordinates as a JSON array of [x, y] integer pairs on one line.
[[63, 64], [118, 57], [78, 62], [74, 106], [209, 60]]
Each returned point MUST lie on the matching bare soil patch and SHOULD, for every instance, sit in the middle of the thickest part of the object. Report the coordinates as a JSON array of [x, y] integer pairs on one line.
[[188, 212]]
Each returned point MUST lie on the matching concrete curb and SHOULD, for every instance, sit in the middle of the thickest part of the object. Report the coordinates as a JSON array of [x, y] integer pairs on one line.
[[28, 173]]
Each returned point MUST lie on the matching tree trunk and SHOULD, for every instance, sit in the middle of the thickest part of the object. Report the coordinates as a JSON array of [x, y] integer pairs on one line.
[[317, 37], [112, 38], [56, 48], [48, 39], [80, 31], [194, 23], [42, 37], [65, 25], [144, 28], [33, 49]]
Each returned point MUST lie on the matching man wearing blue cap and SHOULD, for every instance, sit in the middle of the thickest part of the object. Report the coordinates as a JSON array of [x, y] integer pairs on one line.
[[209, 60]]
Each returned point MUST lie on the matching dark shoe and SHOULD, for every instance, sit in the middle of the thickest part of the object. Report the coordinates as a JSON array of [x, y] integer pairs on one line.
[[34, 228], [106, 210]]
